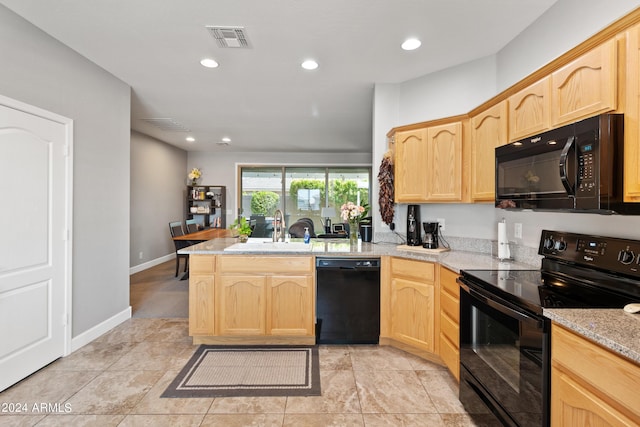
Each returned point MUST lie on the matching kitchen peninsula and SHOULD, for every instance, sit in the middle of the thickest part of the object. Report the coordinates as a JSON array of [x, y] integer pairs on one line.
[[268, 296]]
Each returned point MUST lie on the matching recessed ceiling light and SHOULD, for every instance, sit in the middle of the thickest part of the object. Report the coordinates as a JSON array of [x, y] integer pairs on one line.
[[226, 139], [309, 64], [209, 63], [190, 138], [411, 44]]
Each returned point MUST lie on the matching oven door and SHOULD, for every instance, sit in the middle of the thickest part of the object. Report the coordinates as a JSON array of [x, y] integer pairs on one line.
[[504, 359]]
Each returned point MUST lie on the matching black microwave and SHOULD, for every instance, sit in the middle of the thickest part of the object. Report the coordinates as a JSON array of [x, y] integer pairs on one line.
[[578, 167]]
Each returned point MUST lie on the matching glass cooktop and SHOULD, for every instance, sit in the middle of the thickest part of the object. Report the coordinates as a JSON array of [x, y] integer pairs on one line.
[[537, 289]]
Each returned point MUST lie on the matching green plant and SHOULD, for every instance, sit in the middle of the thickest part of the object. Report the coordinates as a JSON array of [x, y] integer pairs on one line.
[[242, 226], [264, 202]]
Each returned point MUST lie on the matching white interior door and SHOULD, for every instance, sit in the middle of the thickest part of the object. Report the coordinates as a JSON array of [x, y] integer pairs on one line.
[[34, 254]]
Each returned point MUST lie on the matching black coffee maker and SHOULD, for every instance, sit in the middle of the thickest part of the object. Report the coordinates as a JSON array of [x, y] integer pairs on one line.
[[413, 225], [430, 235]]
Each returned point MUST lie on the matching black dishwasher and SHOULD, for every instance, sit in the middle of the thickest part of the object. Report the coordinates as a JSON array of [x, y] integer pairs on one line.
[[347, 300]]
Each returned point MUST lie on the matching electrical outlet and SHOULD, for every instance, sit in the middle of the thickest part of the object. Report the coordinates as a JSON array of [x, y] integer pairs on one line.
[[140, 255], [517, 230], [440, 222]]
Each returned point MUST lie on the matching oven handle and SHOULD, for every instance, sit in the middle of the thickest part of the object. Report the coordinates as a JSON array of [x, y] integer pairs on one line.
[[501, 307]]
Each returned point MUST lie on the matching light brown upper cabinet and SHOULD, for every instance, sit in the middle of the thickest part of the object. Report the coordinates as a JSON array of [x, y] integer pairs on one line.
[[585, 86], [410, 166], [488, 131], [632, 118], [444, 153], [529, 110]]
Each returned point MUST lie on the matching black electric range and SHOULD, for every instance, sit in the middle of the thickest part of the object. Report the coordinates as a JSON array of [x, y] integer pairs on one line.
[[505, 341], [578, 271]]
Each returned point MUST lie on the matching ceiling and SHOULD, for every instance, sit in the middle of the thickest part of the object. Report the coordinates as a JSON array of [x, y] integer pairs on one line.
[[260, 97]]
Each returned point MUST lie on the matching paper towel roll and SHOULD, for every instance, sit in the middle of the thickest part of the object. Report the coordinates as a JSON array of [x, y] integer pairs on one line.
[[503, 243]]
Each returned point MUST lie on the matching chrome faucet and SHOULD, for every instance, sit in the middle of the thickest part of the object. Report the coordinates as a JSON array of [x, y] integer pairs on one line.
[[278, 226]]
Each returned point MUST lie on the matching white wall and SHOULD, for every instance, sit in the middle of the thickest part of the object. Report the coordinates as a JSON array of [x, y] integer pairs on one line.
[[460, 89], [158, 192], [566, 24], [38, 70]]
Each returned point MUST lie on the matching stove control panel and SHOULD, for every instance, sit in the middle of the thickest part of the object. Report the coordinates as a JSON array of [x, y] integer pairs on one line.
[[608, 253]]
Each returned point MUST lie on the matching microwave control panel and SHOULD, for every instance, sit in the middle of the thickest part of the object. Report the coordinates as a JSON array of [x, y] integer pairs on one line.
[[587, 170]]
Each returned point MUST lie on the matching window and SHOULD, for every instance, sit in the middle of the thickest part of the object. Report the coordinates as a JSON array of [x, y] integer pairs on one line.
[[299, 192]]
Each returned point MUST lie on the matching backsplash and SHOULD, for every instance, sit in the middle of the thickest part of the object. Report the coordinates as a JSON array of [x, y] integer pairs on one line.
[[519, 253]]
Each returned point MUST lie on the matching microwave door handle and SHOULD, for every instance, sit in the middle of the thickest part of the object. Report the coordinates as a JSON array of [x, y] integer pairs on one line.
[[564, 158]]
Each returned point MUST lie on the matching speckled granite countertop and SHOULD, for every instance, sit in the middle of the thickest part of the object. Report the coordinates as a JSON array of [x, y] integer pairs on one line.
[[454, 260], [612, 328]]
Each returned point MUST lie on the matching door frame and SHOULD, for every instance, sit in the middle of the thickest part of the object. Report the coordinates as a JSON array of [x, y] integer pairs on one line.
[[68, 214]]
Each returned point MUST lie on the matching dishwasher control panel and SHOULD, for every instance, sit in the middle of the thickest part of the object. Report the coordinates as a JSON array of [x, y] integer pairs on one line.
[[347, 263]]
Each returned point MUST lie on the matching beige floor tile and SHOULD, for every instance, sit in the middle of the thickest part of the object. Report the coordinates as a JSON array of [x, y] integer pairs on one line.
[[464, 420], [113, 392], [19, 420], [334, 357], [443, 390], [243, 420], [81, 421], [323, 420], [373, 357], [133, 330], [392, 392], [155, 356], [339, 395], [249, 405], [162, 421], [172, 330], [152, 403], [403, 420], [47, 386], [93, 356]]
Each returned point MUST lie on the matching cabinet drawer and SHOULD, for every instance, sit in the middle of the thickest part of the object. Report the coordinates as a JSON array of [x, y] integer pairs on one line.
[[450, 356], [266, 264], [450, 329], [448, 282], [614, 377], [450, 305], [202, 264], [420, 270]]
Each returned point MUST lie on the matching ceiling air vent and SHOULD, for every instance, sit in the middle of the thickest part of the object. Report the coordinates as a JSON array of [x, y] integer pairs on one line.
[[167, 124], [229, 37]]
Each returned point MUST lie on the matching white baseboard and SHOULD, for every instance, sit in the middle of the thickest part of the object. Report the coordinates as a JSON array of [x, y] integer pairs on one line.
[[93, 333], [141, 267]]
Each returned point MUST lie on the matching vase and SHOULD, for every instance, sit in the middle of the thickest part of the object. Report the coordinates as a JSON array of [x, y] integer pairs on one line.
[[353, 232], [244, 238], [194, 183]]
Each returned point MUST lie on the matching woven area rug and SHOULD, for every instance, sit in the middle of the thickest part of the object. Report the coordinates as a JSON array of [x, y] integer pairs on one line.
[[217, 371]]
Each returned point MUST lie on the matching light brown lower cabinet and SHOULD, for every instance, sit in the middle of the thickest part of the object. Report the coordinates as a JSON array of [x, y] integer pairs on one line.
[[413, 300], [590, 385], [253, 299], [450, 321]]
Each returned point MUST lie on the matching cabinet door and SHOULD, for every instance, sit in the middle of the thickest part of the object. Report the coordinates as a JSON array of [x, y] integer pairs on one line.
[[290, 305], [444, 153], [412, 318], [574, 405], [411, 161], [586, 86], [632, 119], [201, 295], [529, 110], [241, 305], [488, 131]]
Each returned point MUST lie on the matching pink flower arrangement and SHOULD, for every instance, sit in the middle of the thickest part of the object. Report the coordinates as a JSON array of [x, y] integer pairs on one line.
[[351, 212]]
